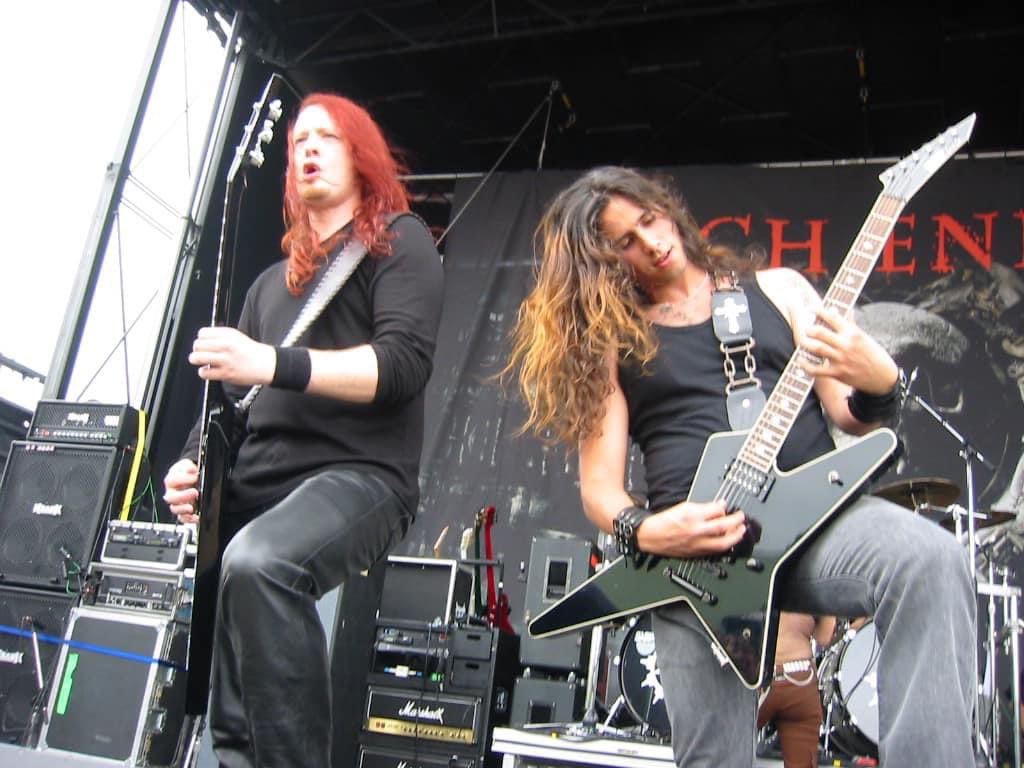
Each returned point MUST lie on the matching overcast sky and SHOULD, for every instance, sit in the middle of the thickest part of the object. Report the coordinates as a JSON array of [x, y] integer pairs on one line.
[[70, 79]]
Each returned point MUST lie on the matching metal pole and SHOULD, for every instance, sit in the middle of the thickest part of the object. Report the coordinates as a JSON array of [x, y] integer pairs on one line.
[[1015, 656], [232, 71], [66, 351]]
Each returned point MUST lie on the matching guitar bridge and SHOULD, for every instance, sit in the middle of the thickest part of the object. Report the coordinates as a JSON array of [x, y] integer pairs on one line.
[[692, 587]]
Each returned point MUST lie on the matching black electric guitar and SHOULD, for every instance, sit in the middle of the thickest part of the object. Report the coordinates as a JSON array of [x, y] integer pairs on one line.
[[218, 415], [735, 596]]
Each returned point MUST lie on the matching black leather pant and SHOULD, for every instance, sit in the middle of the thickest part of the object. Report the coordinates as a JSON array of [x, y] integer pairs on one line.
[[271, 699]]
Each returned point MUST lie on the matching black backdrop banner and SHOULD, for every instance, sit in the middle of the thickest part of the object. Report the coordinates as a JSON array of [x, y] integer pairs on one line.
[[946, 298]]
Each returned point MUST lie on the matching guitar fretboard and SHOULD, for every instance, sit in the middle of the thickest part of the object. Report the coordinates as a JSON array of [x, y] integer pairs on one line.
[[769, 432]]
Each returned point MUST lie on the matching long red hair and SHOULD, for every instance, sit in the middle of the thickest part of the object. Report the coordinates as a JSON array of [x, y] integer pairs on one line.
[[381, 191]]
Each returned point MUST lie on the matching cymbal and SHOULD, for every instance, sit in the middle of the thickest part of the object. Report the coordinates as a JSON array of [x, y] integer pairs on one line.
[[919, 491], [984, 519]]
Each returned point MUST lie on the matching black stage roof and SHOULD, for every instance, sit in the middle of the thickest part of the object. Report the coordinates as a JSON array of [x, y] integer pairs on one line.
[[653, 82]]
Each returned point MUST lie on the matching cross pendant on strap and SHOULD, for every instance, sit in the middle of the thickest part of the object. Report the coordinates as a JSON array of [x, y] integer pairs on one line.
[[730, 317]]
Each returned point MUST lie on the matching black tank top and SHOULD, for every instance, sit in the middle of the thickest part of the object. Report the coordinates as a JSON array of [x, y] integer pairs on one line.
[[678, 401]]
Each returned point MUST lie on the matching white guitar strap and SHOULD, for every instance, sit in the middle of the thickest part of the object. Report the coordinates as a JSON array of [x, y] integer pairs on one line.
[[334, 277]]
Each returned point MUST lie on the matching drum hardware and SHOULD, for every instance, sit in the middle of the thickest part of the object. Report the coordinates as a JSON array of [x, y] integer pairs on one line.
[[918, 493], [970, 454], [847, 681], [953, 521], [591, 722], [1009, 637]]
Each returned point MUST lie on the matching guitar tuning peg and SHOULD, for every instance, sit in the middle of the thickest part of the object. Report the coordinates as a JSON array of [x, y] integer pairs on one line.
[[267, 134], [274, 110], [256, 157]]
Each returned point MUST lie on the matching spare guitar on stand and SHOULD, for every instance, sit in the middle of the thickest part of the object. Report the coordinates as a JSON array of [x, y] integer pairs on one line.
[[218, 414]]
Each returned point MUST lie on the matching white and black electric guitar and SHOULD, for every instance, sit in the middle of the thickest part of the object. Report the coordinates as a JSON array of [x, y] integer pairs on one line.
[[735, 596], [218, 414]]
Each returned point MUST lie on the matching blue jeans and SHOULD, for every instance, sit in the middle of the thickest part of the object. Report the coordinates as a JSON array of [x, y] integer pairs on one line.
[[875, 559], [271, 701]]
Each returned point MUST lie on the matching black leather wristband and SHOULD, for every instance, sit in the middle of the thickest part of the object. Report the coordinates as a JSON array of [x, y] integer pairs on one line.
[[292, 368], [868, 408], [624, 529]]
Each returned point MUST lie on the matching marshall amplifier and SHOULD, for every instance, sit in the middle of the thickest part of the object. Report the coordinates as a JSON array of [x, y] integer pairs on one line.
[[382, 757], [429, 718], [63, 421]]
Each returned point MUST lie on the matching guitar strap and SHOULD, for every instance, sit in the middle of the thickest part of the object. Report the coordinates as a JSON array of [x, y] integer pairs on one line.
[[334, 277], [730, 317]]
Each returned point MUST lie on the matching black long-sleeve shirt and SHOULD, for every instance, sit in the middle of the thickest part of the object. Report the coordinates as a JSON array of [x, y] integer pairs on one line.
[[392, 303]]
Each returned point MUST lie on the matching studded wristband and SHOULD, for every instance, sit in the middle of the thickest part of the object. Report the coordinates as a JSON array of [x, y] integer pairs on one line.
[[624, 530]]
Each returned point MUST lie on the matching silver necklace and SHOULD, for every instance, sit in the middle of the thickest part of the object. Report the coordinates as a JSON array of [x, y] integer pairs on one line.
[[678, 308]]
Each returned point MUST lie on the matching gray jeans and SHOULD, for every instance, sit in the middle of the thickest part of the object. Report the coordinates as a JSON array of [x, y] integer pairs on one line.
[[875, 559]]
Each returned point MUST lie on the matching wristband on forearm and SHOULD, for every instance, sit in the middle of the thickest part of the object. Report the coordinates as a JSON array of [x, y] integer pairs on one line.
[[624, 530], [868, 408], [292, 368]]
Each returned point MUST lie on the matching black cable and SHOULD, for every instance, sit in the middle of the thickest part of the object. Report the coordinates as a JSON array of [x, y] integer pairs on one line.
[[553, 89]]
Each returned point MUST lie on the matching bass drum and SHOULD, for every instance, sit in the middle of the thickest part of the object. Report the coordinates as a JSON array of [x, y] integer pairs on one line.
[[639, 678], [849, 684]]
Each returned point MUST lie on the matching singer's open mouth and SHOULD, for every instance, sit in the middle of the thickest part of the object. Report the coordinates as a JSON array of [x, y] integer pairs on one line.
[[310, 168]]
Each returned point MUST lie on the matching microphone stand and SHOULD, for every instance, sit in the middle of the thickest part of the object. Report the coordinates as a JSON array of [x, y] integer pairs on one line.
[[38, 714], [969, 454]]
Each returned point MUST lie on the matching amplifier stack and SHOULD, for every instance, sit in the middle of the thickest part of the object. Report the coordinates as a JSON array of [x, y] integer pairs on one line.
[[437, 684], [93, 610], [119, 687], [57, 490], [552, 688]]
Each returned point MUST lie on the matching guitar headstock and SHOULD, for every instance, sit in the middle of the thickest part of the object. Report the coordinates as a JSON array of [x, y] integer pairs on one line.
[[909, 174], [486, 515], [249, 151]]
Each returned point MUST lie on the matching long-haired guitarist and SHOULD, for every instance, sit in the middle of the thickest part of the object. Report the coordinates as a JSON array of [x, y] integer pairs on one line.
[[326, 478], [617, 341]]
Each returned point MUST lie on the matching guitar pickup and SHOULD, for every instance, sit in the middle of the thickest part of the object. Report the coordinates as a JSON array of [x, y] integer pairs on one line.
[[697, 591]]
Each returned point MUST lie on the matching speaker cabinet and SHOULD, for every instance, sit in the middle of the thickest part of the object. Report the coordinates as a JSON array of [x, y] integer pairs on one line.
[[110, 699], [538, 700], [53, 499], [425, 589], [558, 564], [21, 611], [383, 757], [351, 658]]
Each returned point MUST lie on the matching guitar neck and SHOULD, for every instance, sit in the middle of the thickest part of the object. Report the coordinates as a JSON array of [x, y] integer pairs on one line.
[[769, 432]]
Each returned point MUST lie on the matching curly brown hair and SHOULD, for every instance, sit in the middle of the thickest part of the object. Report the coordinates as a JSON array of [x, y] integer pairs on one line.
[[585, 306]]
